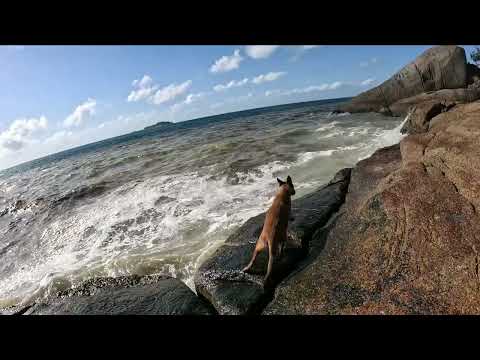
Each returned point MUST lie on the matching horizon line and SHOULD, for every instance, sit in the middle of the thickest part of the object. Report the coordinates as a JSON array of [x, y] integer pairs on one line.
[[173, 123]]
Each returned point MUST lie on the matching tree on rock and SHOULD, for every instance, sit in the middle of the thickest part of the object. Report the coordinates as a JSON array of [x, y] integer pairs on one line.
[[475, 55]]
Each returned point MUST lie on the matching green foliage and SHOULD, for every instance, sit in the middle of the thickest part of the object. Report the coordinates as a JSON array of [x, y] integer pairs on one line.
[[475, 55]]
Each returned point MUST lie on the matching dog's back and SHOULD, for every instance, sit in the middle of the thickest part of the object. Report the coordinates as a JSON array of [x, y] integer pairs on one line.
[[276, 220]]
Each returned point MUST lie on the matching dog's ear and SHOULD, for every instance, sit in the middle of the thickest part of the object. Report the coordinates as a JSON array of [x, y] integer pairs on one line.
[[280, 182], [289, 180]]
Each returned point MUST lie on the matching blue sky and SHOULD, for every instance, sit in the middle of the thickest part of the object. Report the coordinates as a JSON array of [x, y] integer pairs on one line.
[[56, 97]]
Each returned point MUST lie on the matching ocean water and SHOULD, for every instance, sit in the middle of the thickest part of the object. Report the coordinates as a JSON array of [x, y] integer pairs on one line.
[[162, 200]]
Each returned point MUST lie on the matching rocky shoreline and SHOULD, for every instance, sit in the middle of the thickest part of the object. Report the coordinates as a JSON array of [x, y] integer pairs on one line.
[[397, 234]]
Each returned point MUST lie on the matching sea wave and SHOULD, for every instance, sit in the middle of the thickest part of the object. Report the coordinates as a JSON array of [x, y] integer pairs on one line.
[[307, 156], [101, 236], [337, 114], [167, 212], [327, 126]]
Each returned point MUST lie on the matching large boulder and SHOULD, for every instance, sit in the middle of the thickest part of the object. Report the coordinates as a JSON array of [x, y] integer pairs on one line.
[[126, 295], [440, 67], [408, 240], [220, 280]]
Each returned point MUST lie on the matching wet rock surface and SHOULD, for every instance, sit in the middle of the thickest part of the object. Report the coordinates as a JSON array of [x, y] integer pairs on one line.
[[220, 280], [407, 239], [126, 295]]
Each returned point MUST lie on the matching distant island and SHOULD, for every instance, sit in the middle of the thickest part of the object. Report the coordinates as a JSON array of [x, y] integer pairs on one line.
[[159, 125]]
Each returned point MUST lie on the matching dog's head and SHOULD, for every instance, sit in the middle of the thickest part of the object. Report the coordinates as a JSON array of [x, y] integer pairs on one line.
[[288, 184]]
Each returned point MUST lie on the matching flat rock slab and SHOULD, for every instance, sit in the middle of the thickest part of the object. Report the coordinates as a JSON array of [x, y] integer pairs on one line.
[[230, 291], [127, 295], [461, 95]]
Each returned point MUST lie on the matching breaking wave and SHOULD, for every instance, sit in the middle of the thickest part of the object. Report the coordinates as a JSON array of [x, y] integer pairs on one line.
[[163, 204]]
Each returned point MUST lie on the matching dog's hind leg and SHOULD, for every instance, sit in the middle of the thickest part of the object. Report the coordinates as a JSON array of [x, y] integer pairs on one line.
[[258, 247], [266, 281], [284, 242]]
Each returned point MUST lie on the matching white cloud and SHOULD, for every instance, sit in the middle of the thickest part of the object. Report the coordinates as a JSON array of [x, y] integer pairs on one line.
[[367, 82], [271, 76], [260, 51], [81, 112], [272, 92], [59, 136], [36, 146], [190, 99], [227, 63], [145, 81], [369, 62], [144, 88], [335, 85], [323, 87], [308, 89], [194, 97], [169, 92], [140, 94], [229, 85], [134, 121], [101, 126], [302, 49], [239, 99], [20, 132], [265, 51], [216, 105]]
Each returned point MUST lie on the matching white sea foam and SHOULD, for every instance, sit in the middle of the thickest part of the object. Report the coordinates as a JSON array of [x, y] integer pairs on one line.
[[169, 223], [327, 126], [332, 114], [335, 133], [349, 147], [102, 236], [356, 132], [307, 156], [393, 136], [384, 138]]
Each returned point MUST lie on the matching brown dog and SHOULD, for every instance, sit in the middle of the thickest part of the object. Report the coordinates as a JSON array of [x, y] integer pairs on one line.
[[274, 233]]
